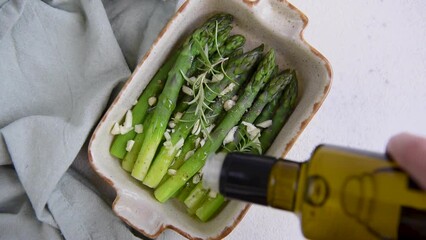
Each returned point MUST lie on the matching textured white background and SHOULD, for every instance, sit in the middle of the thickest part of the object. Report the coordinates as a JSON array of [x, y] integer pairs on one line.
[[378, 54]]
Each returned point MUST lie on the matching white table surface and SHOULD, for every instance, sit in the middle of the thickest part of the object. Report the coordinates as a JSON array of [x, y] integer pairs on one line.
[[377, 49]]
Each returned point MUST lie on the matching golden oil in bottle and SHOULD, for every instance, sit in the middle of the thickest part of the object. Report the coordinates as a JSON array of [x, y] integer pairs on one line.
[[338, 194]]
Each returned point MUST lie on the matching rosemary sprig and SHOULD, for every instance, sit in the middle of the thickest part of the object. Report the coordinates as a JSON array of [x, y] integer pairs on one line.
[[200, 84], [247, 144]]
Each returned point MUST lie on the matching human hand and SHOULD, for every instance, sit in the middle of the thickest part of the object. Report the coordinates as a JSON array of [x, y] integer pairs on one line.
[[409, 151]]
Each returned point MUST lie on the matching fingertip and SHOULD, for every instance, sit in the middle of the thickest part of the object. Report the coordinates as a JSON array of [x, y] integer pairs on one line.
[[409, 151], [396, 145], [405, 147]]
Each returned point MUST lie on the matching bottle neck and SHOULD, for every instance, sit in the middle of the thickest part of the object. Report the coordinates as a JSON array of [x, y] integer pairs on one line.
[[284, 183], [260, 179], [246, 177]]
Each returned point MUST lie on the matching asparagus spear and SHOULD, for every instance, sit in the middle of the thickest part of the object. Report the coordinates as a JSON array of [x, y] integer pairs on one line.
[[189, 146], [231, 44], [274, 87], [216, 109], [195, 197], [186, 190], [167, 100], [236, 53], [269, 109], [211, 117], [212, 114], [275, 72], [130, 157], [237, 70], [213, 143], [285, 108], [210, 207], [153, 89]]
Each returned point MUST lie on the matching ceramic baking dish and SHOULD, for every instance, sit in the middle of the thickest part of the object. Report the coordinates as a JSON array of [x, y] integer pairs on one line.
[[278, 25]]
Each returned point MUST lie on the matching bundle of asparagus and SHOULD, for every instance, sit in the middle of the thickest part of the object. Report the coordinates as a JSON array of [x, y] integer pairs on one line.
[[208, 96]]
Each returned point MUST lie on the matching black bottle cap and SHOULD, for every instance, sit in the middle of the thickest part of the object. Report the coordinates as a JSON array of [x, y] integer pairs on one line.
[[245, 177]]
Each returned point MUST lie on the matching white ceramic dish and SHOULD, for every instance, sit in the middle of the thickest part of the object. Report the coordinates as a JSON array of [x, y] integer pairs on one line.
[[277, 24]]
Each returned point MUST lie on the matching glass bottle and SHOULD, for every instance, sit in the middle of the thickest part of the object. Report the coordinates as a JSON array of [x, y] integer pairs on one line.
[[338, 194]]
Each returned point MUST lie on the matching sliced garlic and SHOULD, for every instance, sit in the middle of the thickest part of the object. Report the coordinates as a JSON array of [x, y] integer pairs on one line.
[[128, 120], [217, 77], [179, 144], [173, 148], [115, 129], [208, 130], [202, 142], [187, 90], [197, 142], [172, 124], [212, 194], [171, 172], [228, 105], [167, 136], [265, 124], [196, 179], [189, 154], [168, 144], [227, 89], [178, 116], [197, 128], [129, 145], [152, 101], [230, 135], [124, 130], [138, 128], [235, 98], [252, 130]]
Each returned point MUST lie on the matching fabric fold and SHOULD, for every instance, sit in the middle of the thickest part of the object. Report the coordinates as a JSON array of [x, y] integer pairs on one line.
[[60, 61], [10, 11]]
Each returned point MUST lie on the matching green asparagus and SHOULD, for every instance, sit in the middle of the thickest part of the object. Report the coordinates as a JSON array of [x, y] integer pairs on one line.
[[153, 89], [196, 162], [130, 157], [216, 109], [272, 90], [269, 110], [190, 144], [210, 206], [237, 71], [208, 108], [195, 197], [167, 100], [212, 115], [186, 190], [285, 108], [274, 87], [186, 150], [231, 44]]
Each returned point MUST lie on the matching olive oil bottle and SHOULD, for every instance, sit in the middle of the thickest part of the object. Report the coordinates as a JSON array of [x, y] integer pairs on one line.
[[338, 194]]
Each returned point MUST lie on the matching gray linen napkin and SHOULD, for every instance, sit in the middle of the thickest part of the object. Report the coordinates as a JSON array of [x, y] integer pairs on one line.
[[60, 61]]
